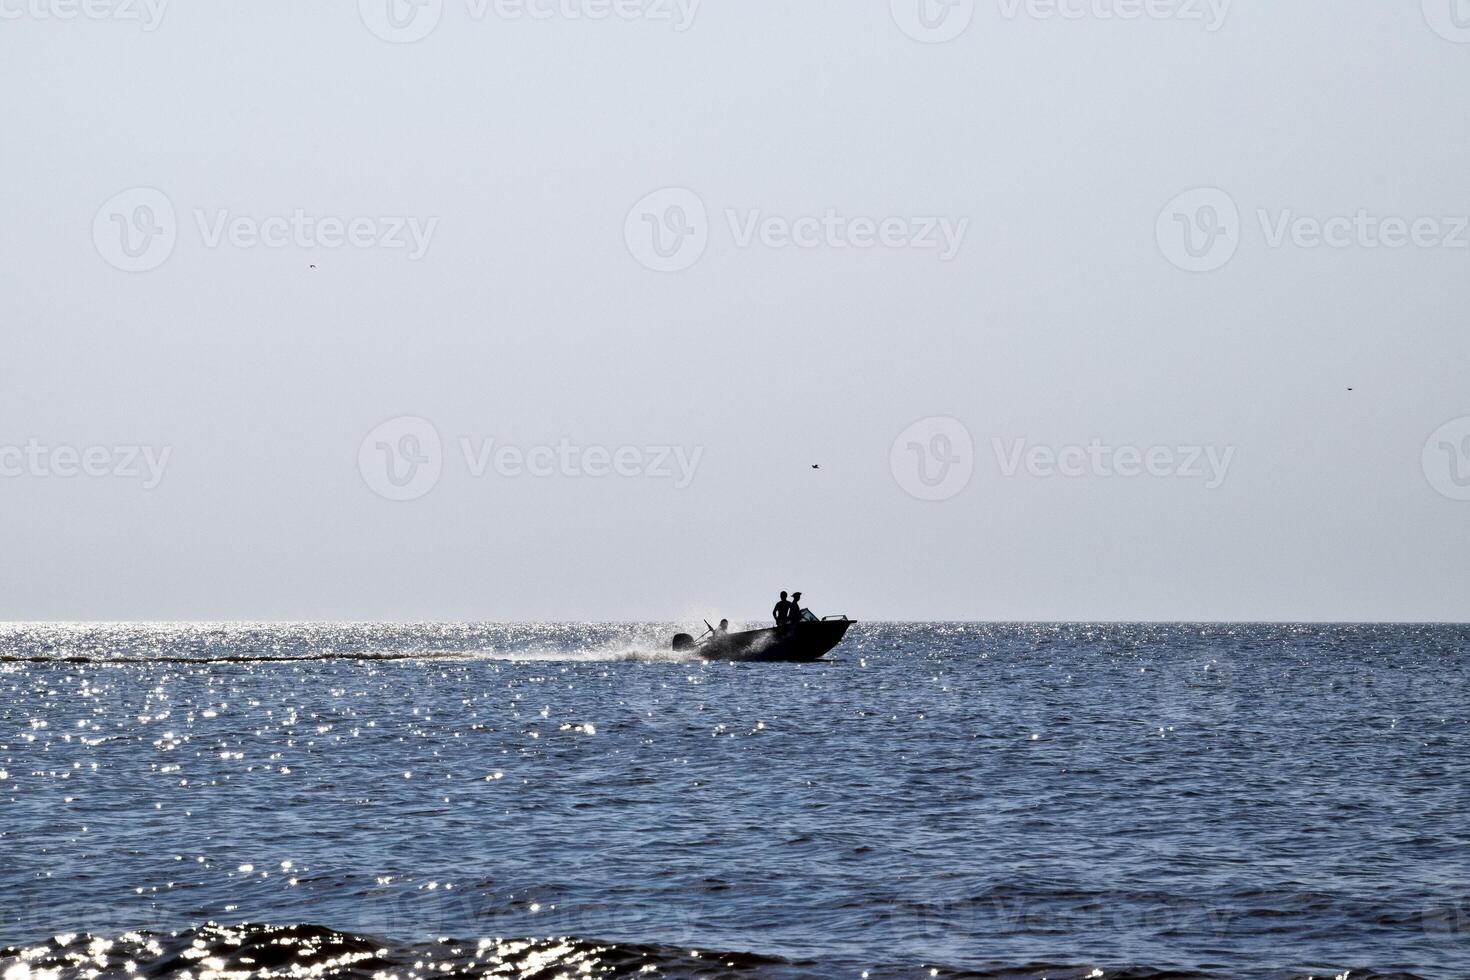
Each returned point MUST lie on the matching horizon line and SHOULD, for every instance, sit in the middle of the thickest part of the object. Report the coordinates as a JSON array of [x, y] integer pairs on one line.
[[666, 622]]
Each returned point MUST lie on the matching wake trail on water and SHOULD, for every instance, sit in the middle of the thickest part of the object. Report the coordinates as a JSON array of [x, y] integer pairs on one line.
[[186, 645], [607, 653]]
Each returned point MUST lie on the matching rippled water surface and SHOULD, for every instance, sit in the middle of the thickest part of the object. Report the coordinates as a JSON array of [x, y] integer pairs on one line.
[[538, 801]]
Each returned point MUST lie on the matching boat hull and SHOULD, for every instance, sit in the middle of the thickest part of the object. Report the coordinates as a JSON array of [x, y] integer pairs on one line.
[[801, 643]]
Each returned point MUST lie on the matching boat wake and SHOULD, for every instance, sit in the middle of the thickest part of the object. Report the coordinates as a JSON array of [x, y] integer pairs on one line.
[[250, 644], [611, 653]]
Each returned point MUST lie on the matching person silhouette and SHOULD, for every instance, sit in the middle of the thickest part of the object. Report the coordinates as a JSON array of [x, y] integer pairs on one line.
[[782, 611], [724, 626], [795, 614]]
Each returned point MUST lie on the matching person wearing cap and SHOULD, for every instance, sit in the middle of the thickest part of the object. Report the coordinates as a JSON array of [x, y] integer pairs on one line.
[[794, 616]]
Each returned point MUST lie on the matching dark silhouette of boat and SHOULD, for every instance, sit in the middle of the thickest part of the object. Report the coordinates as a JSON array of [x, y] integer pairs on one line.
[[809, 639]]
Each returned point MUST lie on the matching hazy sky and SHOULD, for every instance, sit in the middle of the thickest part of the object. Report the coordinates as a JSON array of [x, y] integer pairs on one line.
[[1065, 300]]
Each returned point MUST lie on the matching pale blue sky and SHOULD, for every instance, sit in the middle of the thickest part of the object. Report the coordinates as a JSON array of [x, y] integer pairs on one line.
[[529, 318]]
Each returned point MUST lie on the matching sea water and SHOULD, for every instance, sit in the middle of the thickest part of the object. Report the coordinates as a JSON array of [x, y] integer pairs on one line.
[[1027, 801]]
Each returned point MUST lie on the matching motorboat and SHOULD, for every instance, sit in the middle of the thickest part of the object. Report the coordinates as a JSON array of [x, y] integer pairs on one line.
[[807, 639]]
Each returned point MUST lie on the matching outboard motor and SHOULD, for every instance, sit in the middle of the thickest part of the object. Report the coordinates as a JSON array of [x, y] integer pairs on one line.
[[682, 642]]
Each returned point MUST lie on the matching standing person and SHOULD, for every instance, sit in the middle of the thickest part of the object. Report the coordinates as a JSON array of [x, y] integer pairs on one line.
[[795, 614], [782, 611]]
